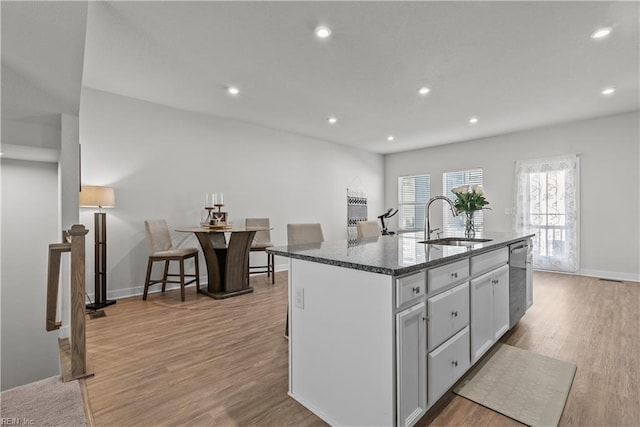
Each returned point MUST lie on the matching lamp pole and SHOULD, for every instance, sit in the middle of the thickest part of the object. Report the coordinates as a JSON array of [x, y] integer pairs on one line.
[[100, 197], [100, 263]]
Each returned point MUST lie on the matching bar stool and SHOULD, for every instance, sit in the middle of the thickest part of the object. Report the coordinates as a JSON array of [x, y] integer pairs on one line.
[[367, 229], [261, 242], [161, 249]]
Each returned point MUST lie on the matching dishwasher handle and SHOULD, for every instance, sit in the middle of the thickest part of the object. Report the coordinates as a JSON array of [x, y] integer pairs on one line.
[[520, 248]]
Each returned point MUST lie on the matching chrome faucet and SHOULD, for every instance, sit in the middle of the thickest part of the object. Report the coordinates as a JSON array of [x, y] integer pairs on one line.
[[427, 229]]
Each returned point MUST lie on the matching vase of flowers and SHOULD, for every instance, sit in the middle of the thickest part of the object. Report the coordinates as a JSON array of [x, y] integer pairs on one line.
[[469, 199]]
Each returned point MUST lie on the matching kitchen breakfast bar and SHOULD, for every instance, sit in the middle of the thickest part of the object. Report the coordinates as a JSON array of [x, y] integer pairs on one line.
[[381, 328]]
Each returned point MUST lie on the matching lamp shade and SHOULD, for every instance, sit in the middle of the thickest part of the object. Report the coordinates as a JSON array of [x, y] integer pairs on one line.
[[92, 196]]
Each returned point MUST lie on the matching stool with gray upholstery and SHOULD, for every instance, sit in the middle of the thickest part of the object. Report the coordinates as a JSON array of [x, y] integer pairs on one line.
[[261, 242], [161, 249], [367, 229], [304, 234]]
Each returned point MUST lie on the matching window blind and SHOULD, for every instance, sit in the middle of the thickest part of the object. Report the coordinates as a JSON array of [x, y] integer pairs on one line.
[[450, 180], [413, 193]]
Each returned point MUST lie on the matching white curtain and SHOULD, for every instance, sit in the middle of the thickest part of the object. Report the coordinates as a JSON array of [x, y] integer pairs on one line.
[[547, 204]]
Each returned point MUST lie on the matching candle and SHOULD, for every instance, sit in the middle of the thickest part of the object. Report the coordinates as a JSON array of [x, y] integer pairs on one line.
[[218, 199]]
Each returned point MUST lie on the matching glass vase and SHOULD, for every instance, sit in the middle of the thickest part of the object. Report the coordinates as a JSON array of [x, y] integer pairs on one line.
[[469, 226]]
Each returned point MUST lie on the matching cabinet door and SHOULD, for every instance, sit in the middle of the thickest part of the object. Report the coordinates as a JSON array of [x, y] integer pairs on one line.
[[448, 313], [411, 364], [500, 282], [482, 333]]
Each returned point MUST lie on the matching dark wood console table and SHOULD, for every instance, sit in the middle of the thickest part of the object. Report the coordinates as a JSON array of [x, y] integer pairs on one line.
[[227, 263]]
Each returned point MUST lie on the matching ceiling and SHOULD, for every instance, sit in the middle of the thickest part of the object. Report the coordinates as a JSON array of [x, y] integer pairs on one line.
[[42, 59], [514, 65]]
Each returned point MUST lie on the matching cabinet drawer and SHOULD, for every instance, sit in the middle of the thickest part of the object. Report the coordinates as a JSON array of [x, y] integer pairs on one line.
[[489, 261], [410, 288], [448, 313], [446, 364], [441, 277]]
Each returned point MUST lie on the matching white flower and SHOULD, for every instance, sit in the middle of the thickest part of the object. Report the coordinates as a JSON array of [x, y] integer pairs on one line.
[[477, 189], [463, 189]]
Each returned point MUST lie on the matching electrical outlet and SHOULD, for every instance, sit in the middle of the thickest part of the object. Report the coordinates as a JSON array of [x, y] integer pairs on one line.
[[299, 298], [508, 211]]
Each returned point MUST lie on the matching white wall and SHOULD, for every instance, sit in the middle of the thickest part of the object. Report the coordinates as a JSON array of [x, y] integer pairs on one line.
[[161, 161], [609, 183], [29, 224], [69, 180], [43, 132], [68, 185]]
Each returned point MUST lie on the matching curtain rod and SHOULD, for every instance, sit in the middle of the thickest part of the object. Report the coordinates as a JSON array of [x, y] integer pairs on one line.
[[578, 154]]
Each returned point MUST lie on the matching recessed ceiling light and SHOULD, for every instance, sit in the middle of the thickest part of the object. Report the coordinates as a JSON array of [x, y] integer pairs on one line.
[[424, 90], [601, 33], [232, 90], [473, 120], [323, 32], [608, 91], [332, 120], [390, 138]]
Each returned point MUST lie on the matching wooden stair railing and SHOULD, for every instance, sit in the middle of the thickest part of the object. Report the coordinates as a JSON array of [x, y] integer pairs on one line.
[[73, 358], [55, 249]]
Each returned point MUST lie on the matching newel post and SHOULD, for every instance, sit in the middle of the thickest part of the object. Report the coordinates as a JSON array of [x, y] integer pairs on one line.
[[77, 315]]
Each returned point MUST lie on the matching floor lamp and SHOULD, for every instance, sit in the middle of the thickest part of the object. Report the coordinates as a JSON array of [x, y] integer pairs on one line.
[[99, 197]]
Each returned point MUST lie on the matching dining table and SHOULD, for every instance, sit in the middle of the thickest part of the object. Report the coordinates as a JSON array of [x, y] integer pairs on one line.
[[227, 261]]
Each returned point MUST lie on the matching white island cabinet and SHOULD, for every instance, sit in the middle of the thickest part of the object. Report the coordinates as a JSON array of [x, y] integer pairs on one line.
[[342, 344], [380, 330]]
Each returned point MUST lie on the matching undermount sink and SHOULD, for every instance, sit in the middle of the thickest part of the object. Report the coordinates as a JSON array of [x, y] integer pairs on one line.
[[455, 241]]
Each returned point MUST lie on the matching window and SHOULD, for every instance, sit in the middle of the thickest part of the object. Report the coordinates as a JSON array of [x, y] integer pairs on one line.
[[413, 193], [450, 180], [547, 205]]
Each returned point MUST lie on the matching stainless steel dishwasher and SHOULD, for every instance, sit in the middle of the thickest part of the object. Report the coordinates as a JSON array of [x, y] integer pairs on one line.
[[520, 293]]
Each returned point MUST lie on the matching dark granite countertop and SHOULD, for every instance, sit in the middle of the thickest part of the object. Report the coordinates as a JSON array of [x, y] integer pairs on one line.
[[392, 255]]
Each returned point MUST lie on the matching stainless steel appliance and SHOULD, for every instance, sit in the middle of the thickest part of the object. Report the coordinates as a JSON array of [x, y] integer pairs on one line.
[[520, 284]]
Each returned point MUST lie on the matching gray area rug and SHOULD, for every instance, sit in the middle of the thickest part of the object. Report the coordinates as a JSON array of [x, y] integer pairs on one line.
[[525, 386], [48, 402]]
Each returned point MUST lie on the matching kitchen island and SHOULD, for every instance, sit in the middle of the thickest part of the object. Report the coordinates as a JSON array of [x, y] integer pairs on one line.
[[381, 328]]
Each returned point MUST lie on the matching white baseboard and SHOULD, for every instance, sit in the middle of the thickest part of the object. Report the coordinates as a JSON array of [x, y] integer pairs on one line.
[[281, 267], [613, 275], [138, 290], [64, 331]]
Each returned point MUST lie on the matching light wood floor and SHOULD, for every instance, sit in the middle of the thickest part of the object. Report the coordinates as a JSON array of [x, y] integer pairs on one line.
[[224, 362]]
